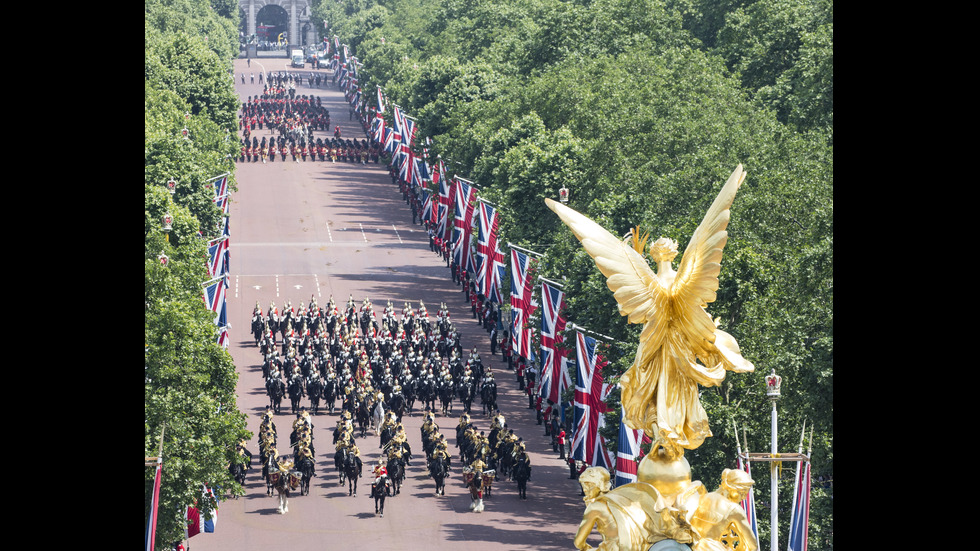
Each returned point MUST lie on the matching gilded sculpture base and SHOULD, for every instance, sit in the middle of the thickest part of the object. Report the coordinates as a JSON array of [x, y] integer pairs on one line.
[[665, 509]]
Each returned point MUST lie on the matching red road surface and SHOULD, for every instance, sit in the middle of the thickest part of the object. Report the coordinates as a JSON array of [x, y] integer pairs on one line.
[[320, 229]]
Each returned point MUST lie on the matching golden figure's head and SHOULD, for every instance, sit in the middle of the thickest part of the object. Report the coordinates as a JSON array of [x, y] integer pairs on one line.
[[594, 481], [663, 250], [736, 483]]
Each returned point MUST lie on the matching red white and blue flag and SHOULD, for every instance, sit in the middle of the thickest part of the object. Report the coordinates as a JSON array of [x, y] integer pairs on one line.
[[195, 523], [588, 445], [221, 187], [554, 364], [217, 255], [628, 453], [151, 522], [521, 307], [462, 224], [748, 504], [492, 267], [800, 518], [214, 296]]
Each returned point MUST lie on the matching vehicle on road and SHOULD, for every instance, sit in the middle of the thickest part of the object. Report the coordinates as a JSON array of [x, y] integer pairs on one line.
[[298, 58]]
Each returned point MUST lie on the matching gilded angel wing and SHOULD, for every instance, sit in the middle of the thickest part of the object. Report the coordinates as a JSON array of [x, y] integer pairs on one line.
[[696, 282], [636, 287]]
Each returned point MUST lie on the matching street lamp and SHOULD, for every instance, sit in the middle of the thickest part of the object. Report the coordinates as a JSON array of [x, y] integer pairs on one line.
[[167, 221], [563, 194], [773, 383], [171, 186]]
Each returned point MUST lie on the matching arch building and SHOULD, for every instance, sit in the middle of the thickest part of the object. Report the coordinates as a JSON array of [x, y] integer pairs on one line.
[[300, 31]]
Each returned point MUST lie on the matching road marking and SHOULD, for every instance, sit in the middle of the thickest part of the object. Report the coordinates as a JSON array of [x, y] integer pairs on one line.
[[277, 285], [329, 235], [362, 232], [396, 233]]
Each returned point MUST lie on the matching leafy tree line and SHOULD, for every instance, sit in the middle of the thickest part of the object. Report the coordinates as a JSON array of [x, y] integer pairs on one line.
[[642, 109], [191, 418]]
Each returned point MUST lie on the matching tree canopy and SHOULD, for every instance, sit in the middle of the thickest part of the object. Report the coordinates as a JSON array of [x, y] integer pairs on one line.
[[642, 110], [191, 419]]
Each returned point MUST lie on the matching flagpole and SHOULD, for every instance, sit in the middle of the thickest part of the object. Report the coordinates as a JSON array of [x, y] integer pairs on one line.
[[553, 283], [219, 176], [572, 325], [532, 253]]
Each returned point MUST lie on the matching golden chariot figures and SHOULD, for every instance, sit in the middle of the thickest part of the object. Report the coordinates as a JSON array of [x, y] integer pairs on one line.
[[680, 347]]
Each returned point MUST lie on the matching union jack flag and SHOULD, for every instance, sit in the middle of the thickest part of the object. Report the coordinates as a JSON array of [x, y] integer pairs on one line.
[[628, 452], [426, 204], [800, 518], [588, 445], [462, 224], [446, 198], [217, 250], [554, 364], [748, 504], [379, 119], [221, 187], [521, 303], [492, 265], [223, 202], [214, 296]]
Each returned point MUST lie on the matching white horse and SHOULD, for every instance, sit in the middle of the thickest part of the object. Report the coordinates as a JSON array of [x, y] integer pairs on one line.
[[378, 417]]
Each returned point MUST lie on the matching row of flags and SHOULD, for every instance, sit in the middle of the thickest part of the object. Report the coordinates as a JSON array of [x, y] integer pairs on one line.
[[219, 260], [454, 211], [447, 203]]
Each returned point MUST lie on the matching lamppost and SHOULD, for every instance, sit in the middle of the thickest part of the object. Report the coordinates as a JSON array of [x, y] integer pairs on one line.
[[773, 383], [563, 194]]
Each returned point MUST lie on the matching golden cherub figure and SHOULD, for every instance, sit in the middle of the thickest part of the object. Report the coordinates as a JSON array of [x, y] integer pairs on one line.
[[680, 347]]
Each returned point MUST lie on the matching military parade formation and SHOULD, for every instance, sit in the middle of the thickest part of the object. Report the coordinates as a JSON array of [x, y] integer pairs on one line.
[[378, 365], [279, 124]]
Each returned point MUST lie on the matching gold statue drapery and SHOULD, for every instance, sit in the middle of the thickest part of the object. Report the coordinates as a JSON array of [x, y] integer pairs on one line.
[[680, 347]]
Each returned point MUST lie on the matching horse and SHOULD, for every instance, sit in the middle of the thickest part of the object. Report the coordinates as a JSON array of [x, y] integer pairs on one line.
[[446, 397], [315, 390], [364, 416], [378, 416], [396, 473], [295, 393], [276, 389], [306, 468], [438, 470], [522, 473], [380, 489], [466, 394], [397, 405], [477, 485], [351, 471], [488, 395], [329, 393]]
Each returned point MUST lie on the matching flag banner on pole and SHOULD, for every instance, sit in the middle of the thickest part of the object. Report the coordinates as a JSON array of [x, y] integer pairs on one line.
[[151, 523], [214, 297], [492, 267], [217, 257], [800, 519], [212, 521], [221, 187], [748, 504], [588, 445], [553, 364], [628, 453], [462, 224], [520, 302]]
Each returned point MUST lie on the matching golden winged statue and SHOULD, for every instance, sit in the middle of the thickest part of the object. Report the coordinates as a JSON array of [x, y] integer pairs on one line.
[[680, 346]]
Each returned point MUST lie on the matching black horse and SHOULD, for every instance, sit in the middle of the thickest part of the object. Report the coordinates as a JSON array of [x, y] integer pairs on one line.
[[379, 491], [351, 471], [315, 391], [467, 391], [396, 473], [276, 390], [295, 393], [305, 466], [488, 396], [522, 473], [439, 470], [397, 404]]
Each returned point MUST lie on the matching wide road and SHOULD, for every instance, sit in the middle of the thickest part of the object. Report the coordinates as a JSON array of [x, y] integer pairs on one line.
[[315, 229]]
